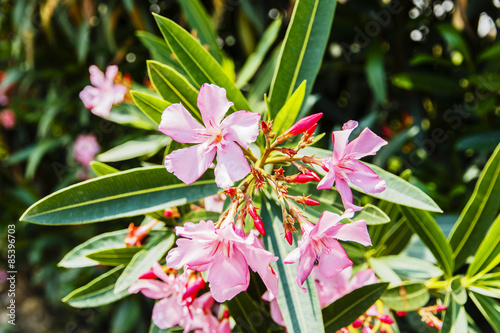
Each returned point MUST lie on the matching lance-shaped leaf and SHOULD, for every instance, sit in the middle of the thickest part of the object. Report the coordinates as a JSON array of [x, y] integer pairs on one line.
[[409, 268], [490, 308], [123, 194], [173, 87], [143, 260], [200, 66], [288, 113], [145, 146], [301, 311], [372, 215], [247, 314], [454, 320], [407, 297], [487, 256], [302, 51], [114, 257], [97, 292], [479, 213], [102, 169], [424, 225], [159, 50], [348, 308], [150, 105], [199, 20]]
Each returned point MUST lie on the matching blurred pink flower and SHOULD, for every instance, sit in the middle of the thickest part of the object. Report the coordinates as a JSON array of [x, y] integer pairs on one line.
[[85, 148], [215, 203], [320, 243], [344, 167], [225, 254], [103, 93], [223, 137], [331, 289], [8, 119], [274, 307]]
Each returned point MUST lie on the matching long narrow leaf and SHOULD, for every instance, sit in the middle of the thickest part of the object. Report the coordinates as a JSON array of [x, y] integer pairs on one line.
[[150, 105], [302, 51], [123, 194], [487, 256]]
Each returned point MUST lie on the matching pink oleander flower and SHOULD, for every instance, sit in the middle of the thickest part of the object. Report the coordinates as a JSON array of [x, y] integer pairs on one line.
[[178, 303], [320, 243], [85, 148], [8, 119], [274, 307], [343, 167], [103, 93], [331, 289], [215, 203], [226, 254], [218, 135]]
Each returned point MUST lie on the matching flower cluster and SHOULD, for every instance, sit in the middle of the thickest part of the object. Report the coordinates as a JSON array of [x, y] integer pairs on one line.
[[222, 249]]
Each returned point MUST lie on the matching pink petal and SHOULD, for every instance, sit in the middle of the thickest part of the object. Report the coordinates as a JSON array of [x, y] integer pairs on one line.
[[257, 259], [119, 92], [346, 194], [191, 253], [188, 164], [350, 125], [151, 288], [363, 278], [367, 143], [229, 271], [167, 313], [232, 165], [325, 222], [179, 124], [103, 105], [340, 140], [334, 261], [213, 104], [292, 256], [214, 203], [204, 230], [305, 266], [89, 96], [111, 72], [354, 231], [270, 279], [365, 178], [242, 127], [97, 77], [328, 180], [222, 294], [159, 272]]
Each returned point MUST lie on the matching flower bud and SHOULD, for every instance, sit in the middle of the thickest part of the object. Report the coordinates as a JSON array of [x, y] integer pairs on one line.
[[314, 174], [357, 323], [289, 237], [136, 234], [194, 286], [401, 313], [311, 130], [304, 124], [300, 178], [386, 319], [257, 221]]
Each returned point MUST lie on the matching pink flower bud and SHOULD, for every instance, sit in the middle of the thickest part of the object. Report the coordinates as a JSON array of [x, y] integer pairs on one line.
[[304, 124], [311, 129], [314, 174], [357, 323], [401, 313], [301, 178], [257, 221], [289, 237], [386, 319]]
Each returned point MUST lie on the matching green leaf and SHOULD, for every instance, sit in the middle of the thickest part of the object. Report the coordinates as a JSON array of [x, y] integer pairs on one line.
[[491, 53], [385, 272], [349, 307], [97, 292], [288, 114], [255, 59], [372, 215], [487, 81], [173, 87], [375, 71], [248, 315], [143, 260], [114, 257], [302, 50], [263, 81], [78, 256], [427, 82], [454, 320], [200, 66], [455, 40], [479, 213], [457, 290], [102, 169], [407, 297], [394, 238], [196, 216], [199, 19], [487, 256], [301, 311], [129, 115], [152, 106], [424, 225], [148, 145], [159, 50], [490, 309], [129, 193], [409, 268]]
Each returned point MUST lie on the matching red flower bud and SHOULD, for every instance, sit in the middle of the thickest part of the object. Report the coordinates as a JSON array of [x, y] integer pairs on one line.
[[401, 313], [386, 319], [289, 237], [314, 174], [257, 221], [357, 323], [311, 202], [311, 129], [301, 178], [441, 307], [304, 124]]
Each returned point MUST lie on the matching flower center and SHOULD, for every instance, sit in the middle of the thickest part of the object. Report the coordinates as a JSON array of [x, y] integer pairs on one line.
[[218, 137]]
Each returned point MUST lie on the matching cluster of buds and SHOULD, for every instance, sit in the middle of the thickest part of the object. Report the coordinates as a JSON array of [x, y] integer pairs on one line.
[[135, 234]]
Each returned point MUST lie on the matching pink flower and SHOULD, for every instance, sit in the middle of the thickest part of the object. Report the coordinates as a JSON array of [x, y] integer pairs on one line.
[[331, 289], [223, 137], [344, 167], [215, 203], [85, 148], [103, 93], [274, 307], [8, 119], [225, 254], [320, 243]]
